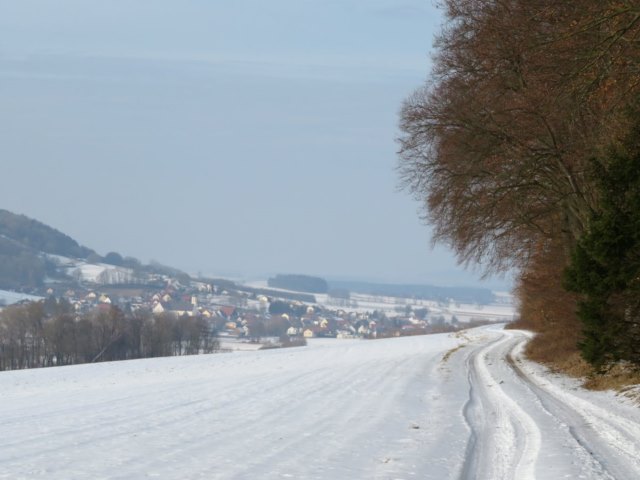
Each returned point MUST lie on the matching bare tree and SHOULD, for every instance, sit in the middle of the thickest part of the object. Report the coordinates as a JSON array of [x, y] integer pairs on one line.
[[522, 94], [499, 144]]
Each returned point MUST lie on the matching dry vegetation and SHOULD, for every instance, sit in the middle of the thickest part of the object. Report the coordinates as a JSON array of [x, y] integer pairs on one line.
[[50, 333], [549, 310], [524, 149], [546, 308]]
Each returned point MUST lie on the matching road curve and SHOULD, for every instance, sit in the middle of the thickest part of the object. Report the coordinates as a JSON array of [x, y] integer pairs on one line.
[[525, 423]]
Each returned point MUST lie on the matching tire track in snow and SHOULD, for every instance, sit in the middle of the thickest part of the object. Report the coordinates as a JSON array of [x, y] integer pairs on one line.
[[609, 439], [504, 441]]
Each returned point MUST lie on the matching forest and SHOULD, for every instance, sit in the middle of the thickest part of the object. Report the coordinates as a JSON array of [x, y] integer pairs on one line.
[[299, 283], [48, 333], [523, 146]]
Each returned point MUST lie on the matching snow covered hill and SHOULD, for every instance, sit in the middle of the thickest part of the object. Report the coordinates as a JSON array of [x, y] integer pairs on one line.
[[7, 297], [435, 407], [101, 273]]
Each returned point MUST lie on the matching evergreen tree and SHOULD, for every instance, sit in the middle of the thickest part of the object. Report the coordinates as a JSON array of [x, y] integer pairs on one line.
[[605, 265]]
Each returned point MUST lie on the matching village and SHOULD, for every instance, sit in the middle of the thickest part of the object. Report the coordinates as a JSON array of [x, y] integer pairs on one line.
[[242, 317]]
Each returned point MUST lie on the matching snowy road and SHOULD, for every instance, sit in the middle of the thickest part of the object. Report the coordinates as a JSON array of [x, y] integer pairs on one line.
[[526, 424], [434, 407]]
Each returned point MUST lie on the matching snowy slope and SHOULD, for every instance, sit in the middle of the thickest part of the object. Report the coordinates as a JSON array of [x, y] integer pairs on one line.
[[434, 407], [7, 297], [100, 273]]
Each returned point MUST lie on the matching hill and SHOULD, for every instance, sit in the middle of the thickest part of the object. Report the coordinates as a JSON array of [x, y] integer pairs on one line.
[[23, 241], [33, 256], [33, 235], [482, 296], [299, 283]]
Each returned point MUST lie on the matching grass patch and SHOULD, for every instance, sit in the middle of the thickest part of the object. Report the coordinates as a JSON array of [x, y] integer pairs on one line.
[[561, 355], [632, 392], [622, 377], [447, 355]]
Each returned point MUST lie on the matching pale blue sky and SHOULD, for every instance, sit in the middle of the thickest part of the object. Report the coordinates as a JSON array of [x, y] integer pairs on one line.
[[237, 137]]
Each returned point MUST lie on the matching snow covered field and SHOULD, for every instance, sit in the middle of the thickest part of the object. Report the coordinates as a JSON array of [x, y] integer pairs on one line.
[[436, 407], [391, 306], [7, 297], [100, 273]]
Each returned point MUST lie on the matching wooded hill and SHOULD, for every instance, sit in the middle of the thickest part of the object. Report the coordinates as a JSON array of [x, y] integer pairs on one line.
[[22, 240], [34, 235]]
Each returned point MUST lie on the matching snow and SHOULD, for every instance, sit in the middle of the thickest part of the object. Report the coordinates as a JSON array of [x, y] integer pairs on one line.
[[61, 260], [510, 437], [393, 306], [463, 405], [7, 297], [502, 311], [234, 344], [559, 430], [101, 273]]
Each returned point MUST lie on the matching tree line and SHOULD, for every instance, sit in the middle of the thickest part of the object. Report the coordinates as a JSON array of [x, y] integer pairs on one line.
[[49, 333], [524, 148], [299, 283]]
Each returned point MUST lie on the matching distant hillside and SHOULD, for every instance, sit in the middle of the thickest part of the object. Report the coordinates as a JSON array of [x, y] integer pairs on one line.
[[481, 296], [299, 283], [22, 242], [35, 235]]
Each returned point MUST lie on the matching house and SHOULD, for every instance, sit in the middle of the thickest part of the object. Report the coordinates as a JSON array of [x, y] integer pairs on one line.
[[312, 332], [181, 308], [104, 299], [227, 311], [158, 308]]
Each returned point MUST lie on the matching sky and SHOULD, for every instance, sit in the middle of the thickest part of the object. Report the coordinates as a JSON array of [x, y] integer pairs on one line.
[[239, 138]]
